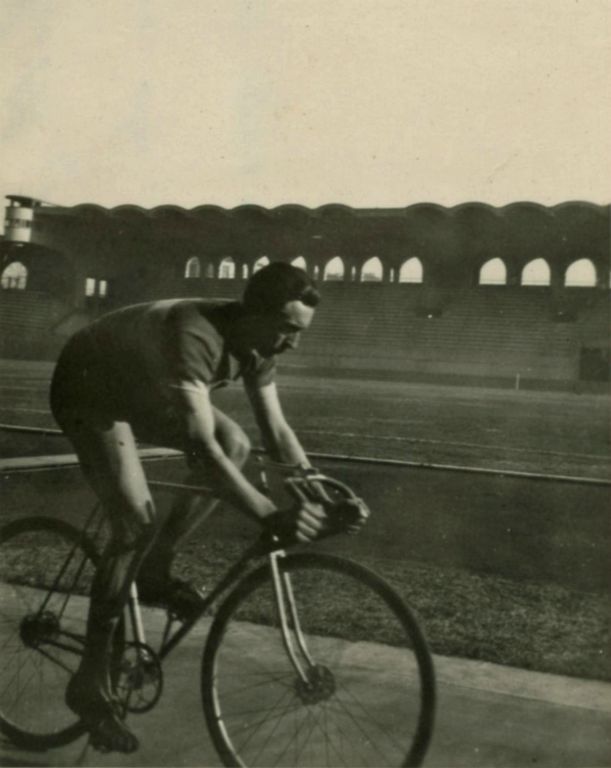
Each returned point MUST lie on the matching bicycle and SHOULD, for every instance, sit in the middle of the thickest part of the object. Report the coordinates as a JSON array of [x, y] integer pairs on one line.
[[310, 659]]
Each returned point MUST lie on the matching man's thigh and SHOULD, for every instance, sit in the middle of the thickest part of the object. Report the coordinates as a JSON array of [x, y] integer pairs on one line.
[[108, 455]]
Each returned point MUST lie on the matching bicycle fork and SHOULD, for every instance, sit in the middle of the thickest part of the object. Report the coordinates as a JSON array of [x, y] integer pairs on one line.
[[294, 642]]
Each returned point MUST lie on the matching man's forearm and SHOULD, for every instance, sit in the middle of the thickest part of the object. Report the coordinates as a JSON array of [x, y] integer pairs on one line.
[[278, 437], [228, 481], [285, 447], [207, 455]]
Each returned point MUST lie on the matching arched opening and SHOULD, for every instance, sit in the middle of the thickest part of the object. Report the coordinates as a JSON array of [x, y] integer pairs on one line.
[[193, 268], [15, 276], [334, 269], [411, 271], [372, 271], [580, 274], [493, 272], [261, 262], [227, 269], [536, 272], [245, 271], [300, 263]]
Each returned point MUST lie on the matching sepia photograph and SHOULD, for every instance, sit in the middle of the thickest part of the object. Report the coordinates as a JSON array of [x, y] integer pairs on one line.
[[305, 373]]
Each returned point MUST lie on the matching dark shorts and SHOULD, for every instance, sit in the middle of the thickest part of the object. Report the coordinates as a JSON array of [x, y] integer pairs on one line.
[[83, 400], [81, 387]]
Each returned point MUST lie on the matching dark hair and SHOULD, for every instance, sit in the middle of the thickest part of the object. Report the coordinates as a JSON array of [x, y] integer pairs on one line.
[[269, 289]]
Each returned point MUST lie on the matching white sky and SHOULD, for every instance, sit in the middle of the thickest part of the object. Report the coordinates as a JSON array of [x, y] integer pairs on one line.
[[365, 102]]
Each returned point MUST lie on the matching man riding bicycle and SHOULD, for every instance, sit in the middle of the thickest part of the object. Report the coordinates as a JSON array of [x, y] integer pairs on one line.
[[146, 372]]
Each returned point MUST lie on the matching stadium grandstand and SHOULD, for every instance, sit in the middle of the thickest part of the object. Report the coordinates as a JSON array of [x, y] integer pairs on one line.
[[514, 296]]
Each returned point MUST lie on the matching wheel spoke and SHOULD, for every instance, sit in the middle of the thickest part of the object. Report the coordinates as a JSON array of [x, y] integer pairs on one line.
[[253, 727], [360, 727], [39, 645], [266, 681], [360, 705]]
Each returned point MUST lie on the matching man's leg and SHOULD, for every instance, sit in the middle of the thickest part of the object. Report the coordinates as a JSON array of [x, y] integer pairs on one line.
[[189, 509], [110, 461]]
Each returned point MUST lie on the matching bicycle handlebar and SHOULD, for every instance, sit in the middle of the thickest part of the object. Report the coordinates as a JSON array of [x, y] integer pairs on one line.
[[346, 512], [313, 485]]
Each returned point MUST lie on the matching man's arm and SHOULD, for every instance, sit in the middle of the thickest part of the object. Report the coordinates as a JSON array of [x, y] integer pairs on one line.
[[278, 437], [304, 522], [203, 448]]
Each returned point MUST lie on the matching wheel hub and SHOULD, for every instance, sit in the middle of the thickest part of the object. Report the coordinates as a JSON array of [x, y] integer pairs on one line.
[[319, 686], [39, 628]]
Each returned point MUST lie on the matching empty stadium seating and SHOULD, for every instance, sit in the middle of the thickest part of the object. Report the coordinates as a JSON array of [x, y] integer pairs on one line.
[[486, 333], [27, 319]]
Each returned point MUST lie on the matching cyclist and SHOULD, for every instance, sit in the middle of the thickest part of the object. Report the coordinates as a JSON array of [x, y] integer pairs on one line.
[[146, 372]]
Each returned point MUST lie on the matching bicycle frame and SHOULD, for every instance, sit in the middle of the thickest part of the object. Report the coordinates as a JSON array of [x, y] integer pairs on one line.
[[285, 604], [292, 636], [274, 623]]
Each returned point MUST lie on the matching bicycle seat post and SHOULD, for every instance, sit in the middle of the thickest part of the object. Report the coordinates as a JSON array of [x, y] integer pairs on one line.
[[135, 614]]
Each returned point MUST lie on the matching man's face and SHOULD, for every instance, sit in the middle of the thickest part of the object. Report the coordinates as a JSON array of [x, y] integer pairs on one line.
[[274, 333]]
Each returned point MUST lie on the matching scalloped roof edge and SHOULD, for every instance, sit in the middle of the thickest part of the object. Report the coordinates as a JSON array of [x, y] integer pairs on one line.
[[330, 209]]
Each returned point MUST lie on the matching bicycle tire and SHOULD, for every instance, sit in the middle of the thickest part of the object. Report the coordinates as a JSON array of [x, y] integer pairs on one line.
[[34, 668], [376, 702]]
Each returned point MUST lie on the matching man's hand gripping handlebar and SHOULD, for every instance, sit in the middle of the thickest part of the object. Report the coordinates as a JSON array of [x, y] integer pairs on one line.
[[323, 507]]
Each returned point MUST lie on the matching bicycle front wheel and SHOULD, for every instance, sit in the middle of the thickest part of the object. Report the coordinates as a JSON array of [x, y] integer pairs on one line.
[[46, 567], [362, 692]]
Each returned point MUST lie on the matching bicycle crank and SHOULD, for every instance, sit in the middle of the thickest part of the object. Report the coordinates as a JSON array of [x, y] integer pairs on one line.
[[140, 678]]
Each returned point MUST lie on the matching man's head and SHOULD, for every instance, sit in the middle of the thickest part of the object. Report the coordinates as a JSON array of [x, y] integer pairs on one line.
[[279, 303]]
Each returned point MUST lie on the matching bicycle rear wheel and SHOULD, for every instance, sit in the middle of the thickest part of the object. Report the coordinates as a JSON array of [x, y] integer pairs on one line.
[[46, 567], [368, 696]]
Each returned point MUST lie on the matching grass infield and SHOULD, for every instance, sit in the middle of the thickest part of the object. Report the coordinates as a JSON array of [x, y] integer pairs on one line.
[[540, 626], [544, 627]]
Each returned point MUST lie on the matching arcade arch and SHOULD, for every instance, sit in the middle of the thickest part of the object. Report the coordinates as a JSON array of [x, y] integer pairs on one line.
[[334, 269], [193, 268], [536, 272], [227, 269], [299, 262], [372, 270], [261, 262], [580, 274], [15, 277], [493, 272], [411, 271]]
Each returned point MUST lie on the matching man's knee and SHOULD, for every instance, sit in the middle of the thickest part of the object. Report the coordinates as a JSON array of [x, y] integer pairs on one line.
[[135, 539], [133, 530]]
